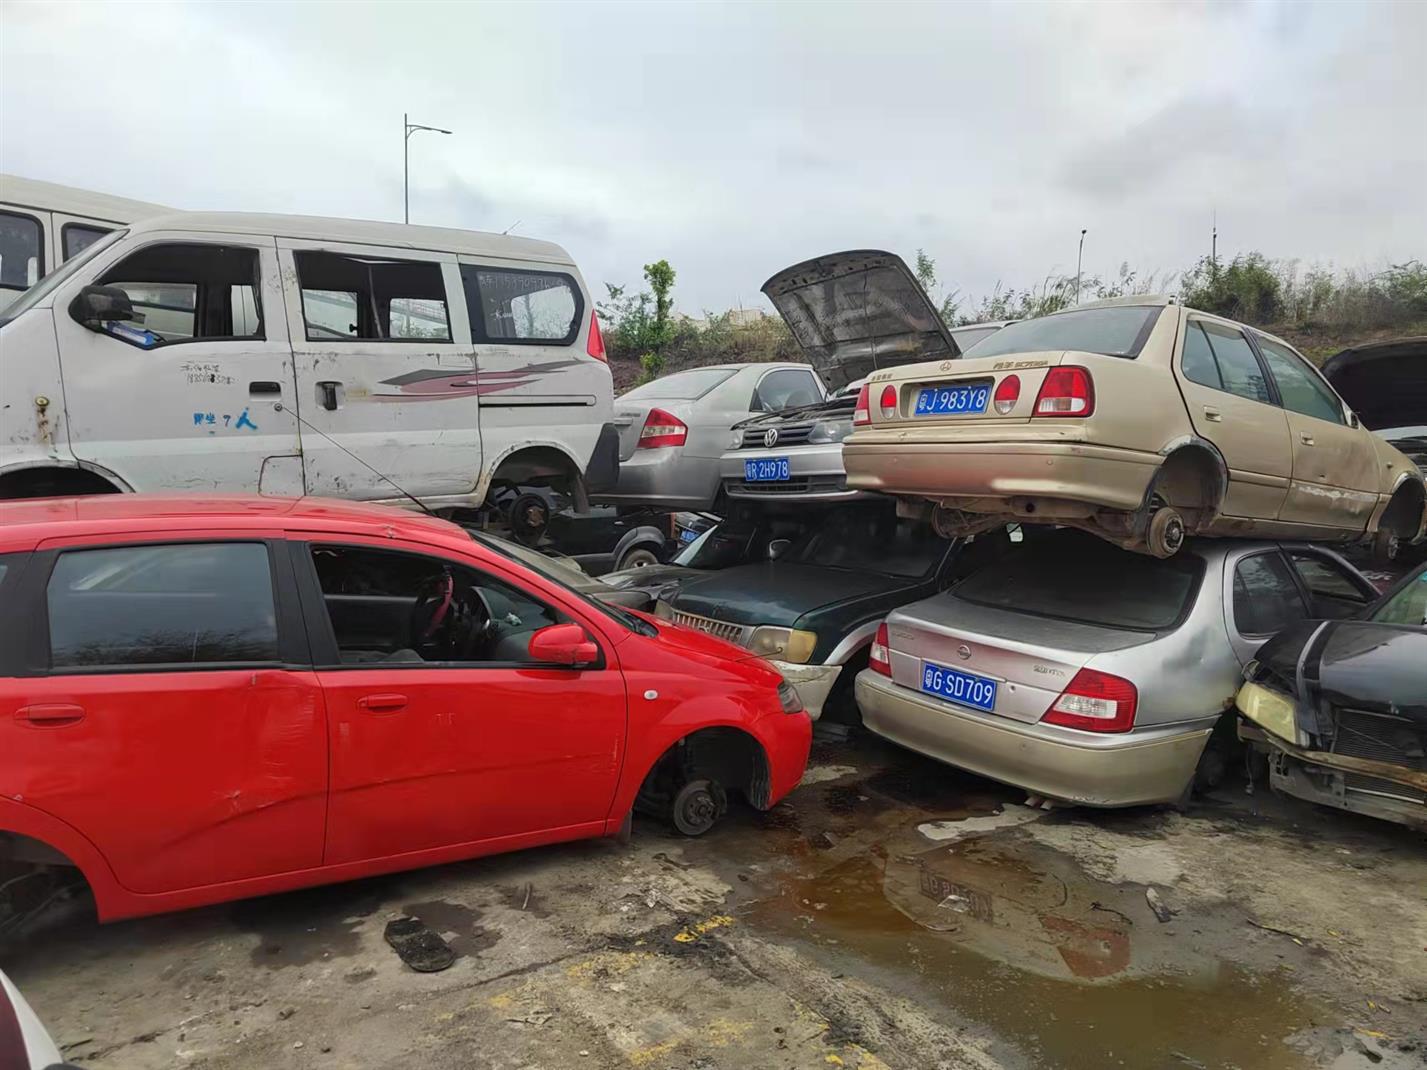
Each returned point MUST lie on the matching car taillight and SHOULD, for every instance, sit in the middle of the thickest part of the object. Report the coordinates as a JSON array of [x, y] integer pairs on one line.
[[1008, 392], [1066, 392], [879, 658], [862, 414], [662, 429], [888, 403], [595, 346], [1095, 702]]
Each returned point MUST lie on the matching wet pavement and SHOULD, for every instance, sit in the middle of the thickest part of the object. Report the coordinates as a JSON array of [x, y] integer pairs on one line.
[[891, 913]]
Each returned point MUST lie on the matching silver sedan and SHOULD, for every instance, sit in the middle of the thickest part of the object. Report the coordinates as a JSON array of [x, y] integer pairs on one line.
[[1086, 673], [673, 431]]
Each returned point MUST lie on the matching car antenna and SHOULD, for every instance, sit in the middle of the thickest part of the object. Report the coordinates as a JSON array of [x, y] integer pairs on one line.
[[279, 407]]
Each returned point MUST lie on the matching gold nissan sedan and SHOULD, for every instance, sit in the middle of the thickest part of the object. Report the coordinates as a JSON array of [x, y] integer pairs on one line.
[[1138, 420]]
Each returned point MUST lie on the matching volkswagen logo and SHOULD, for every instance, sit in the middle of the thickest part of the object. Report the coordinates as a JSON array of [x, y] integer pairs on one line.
[[963, 651], [770, 437]]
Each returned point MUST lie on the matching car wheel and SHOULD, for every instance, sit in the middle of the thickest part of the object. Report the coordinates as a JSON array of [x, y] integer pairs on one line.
[[1385, 547], [529, 517], [697, 807], [639, 557], [1166, 532]]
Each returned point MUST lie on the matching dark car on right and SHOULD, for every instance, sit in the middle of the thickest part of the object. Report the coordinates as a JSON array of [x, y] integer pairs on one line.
[[1339, 707]]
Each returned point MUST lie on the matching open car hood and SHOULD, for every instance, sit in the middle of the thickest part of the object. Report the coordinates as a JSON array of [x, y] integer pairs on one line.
[[858, 311], [1385, 383]]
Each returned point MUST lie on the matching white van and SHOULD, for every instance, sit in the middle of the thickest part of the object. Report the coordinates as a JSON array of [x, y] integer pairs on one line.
[[43, 224], [291, 355]]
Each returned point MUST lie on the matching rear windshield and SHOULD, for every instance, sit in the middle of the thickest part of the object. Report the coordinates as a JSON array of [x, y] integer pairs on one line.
[[1077, 577], [1118, 331], [682, 386], [870, 539]]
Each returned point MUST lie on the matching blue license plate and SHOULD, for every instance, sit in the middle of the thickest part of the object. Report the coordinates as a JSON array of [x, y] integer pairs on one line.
[[963, 688], [766, 470], [952, 400]]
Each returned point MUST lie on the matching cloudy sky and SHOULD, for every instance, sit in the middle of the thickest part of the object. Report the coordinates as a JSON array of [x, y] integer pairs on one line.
[[734, 139]]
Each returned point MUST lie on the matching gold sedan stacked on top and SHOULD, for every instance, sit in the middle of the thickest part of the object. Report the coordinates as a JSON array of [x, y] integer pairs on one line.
[[1138, 420]]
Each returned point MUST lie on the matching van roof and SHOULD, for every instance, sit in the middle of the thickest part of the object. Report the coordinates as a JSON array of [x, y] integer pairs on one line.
[[52, 197], [361, 232]]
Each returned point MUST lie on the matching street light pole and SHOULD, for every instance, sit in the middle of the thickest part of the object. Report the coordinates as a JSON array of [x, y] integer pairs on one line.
[[407, 129], [1078, 257]]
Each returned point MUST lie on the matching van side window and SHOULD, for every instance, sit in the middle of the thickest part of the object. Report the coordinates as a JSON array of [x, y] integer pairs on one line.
[[180, 604], [508, 305], [1301, 389], [77, 237], [22, 260], [186, 292], [371, 298]]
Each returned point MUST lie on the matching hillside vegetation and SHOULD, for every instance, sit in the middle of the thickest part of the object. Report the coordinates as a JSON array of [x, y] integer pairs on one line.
[[1317, 309]]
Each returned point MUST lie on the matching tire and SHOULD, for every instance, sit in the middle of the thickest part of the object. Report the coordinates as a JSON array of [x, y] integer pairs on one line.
[[1166, 532], [697, 807], [637, 557], [1385, 547], [528, 516]]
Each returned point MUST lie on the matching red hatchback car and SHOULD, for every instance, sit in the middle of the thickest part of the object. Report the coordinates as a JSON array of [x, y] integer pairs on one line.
[[208, 698]]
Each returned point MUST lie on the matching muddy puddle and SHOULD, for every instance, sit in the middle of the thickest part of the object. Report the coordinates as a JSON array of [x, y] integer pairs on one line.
[[1009, 937]]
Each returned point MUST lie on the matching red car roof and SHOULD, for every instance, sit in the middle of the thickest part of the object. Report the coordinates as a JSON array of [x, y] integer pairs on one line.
[[25, 523]]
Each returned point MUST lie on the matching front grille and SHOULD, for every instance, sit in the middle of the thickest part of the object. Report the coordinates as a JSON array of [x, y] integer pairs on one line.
[[813, 485], [1371, 785], [734, 633], [1381, 737], [756, 438]]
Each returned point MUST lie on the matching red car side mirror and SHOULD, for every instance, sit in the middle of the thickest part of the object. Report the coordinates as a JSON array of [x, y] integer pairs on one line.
[[563, 644]]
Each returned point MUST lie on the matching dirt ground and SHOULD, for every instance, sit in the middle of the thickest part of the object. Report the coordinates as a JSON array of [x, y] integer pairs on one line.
[[891, 913]]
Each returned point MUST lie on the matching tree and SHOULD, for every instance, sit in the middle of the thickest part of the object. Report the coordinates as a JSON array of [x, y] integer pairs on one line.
[[660, 277]]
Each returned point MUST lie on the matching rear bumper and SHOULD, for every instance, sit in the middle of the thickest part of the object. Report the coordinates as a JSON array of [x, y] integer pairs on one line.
[[1104, 476], [815, 473], [1132, 769], [665, 477]]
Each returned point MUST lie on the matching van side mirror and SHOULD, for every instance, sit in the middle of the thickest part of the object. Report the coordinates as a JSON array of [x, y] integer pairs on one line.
[[563, 644], [778, 547], [1353, 420], [95, 306]]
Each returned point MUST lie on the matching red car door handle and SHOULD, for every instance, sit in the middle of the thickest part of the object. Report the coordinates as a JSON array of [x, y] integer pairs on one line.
[[382, 703], [50, 714]]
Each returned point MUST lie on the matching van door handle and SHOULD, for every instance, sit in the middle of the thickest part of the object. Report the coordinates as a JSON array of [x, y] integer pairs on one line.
[[264, 386], [1212, 415], [382, 703], [50, 714], [1305, 438], [327, 394]]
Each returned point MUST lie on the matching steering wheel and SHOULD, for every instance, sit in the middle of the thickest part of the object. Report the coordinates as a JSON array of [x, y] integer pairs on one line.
[[450, 620]]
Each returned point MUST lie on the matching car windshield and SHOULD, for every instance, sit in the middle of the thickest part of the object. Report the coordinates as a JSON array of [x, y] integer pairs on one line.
[[560, 574], [1408, 605], [42, 289], [1072, 576], [872, 539], [681, 386], [1115, 331]]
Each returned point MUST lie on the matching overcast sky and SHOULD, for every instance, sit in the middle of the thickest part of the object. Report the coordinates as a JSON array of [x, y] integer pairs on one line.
[[735, 139]]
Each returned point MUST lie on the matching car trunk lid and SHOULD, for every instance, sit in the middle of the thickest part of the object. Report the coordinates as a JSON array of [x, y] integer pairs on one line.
[[931, 397], [1032, 659], [857, 311]]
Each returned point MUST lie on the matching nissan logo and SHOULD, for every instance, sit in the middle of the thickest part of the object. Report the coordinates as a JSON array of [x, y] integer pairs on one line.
[[963, 651], [770, 437]]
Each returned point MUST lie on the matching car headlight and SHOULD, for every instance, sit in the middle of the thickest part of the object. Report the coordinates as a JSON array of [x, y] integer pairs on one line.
[[830, 431], [663, 611], [736, 440], [789, 699], [785, 644]]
